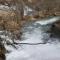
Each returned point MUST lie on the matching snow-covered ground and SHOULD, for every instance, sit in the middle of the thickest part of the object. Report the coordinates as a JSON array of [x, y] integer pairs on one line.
[[35, 33], [40, 52]]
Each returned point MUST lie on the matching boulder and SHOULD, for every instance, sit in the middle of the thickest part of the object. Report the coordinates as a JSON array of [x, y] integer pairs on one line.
[[55, 30]]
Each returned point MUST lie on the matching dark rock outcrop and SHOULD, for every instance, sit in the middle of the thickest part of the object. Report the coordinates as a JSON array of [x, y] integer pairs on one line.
[[45, 8], [55, 30], [2, 51]]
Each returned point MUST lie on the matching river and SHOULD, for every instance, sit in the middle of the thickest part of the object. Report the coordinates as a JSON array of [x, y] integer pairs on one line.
[[35, 32]]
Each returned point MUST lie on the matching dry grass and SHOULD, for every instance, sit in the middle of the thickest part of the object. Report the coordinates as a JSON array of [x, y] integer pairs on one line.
[[9, 22]]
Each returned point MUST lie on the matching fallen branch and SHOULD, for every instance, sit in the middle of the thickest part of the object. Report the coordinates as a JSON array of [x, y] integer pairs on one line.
[[25, 43]]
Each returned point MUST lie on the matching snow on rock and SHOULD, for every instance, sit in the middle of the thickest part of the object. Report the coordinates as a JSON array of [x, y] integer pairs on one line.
[[50, 21]]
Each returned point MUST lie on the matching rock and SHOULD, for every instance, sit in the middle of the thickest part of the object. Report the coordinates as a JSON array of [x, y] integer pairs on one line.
[[55, 30], [2, 51], [57, 25], [14, 28]]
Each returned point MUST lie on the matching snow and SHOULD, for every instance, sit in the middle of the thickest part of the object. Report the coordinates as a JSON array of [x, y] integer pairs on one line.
[[26, 10], [3, 6], [41, 52], [35, 52], [50, 21]]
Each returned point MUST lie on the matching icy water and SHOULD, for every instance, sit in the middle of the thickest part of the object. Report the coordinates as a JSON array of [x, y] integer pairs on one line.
[[34, 32]]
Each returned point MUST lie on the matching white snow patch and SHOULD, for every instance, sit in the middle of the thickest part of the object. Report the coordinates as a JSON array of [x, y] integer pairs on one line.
[[50, 21], [26, 10], [40, 52]]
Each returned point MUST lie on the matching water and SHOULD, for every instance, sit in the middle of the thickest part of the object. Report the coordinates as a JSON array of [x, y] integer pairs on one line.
[[35, 33]]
